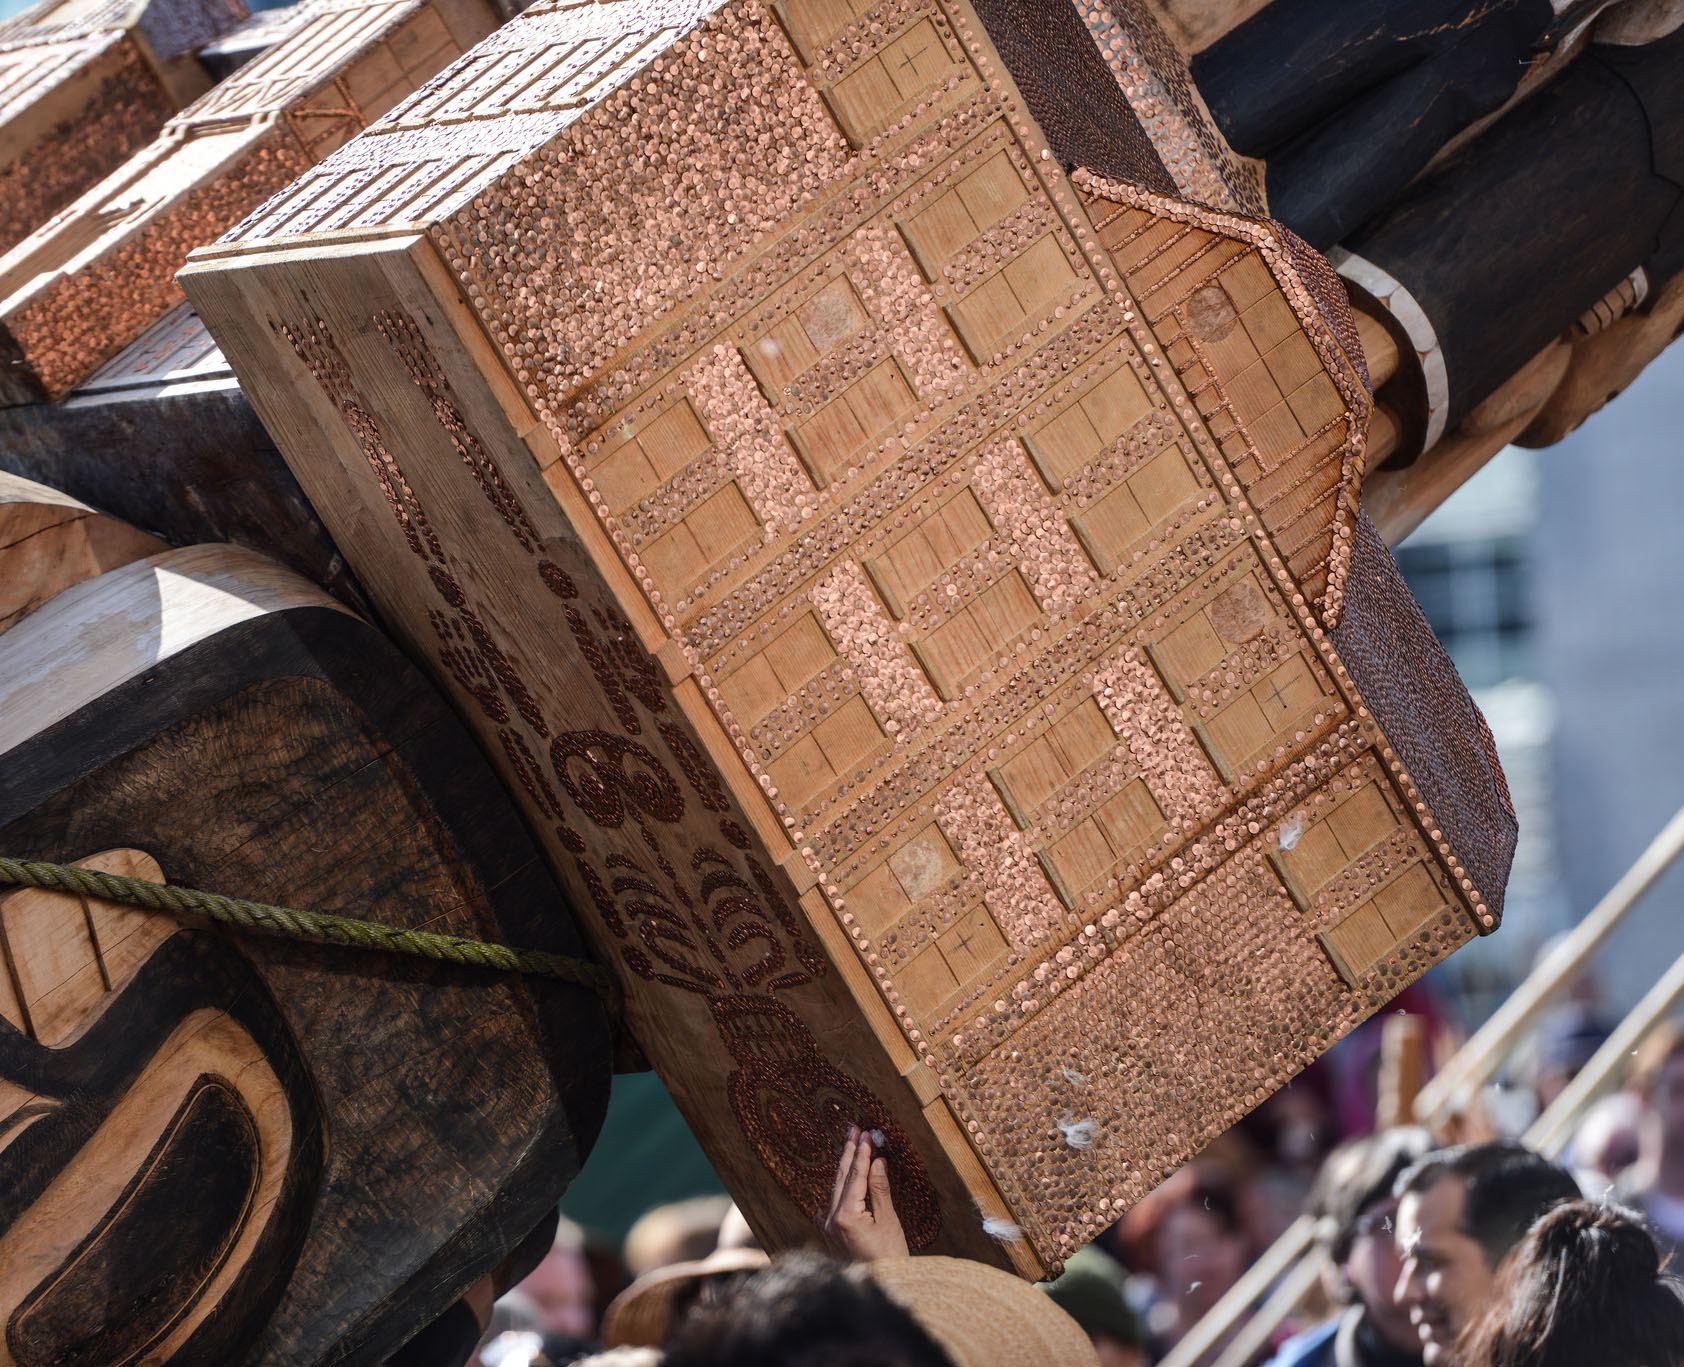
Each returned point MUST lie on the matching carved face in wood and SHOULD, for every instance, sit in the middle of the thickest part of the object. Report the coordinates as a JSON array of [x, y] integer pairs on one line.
[[160, 1142]]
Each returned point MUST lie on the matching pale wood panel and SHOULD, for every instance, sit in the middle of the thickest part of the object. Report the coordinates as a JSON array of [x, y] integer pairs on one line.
[[93, 636]]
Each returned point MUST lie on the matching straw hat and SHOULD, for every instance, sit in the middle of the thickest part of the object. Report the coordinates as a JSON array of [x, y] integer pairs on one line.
[[982, 1316], [642, 1314]]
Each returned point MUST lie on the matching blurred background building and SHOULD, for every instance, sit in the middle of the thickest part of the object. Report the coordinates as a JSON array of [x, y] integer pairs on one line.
[[1556, 580]]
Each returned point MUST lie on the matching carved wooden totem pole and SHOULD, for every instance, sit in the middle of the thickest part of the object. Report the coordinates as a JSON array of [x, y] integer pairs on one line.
[[905, 555], [217, 1147], [898, 491]]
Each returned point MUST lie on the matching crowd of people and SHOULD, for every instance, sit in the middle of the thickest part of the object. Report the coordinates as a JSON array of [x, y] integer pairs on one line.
[[1481, 1254]]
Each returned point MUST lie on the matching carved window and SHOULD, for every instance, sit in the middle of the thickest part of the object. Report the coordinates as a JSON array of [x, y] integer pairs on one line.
[[876, 93], [1117, 522], [1274, 381], [675, 498], [1118, 831], [802, 710], [1078, 780], [922, 556], [1322, 850], [834, 440], [923, 868], [814, 330], [813, 23], [941, 231], [958, 650], [1241, 672], [1332, 857], [1069, 747], [1378, 926], [966, 608], [1006, 304], [1076, 436]]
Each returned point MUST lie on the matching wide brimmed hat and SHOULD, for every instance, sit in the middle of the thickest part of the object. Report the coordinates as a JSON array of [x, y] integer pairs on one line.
[[642, 1314], [982, 1316]]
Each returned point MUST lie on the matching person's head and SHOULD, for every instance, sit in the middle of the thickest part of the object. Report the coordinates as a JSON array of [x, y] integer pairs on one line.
[[560, 1289], [1460, 1211], [1606, 1141], [1564, 1042], [678, 1232], [805, 1310], [1584, 1286], [1657, 1076], [1201, 1249], [1356, 1212]]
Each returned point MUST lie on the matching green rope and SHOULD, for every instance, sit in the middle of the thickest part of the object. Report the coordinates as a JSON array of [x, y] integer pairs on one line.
[[311, 926]]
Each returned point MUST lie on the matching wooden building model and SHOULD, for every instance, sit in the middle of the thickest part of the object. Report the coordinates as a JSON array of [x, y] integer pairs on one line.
[[910, 574], [85, 83], [90, 280]]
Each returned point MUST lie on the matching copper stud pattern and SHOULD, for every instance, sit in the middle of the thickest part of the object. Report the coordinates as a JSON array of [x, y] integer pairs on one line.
[[1054, 479]]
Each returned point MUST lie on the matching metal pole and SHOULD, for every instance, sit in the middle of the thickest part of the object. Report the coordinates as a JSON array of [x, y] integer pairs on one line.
[[1477, 1061]]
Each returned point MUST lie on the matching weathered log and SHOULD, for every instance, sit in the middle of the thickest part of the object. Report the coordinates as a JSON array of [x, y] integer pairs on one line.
[[915, 590], [50, 541], [1347, 103], [220, 1147], [1520, 232], [162, 437]]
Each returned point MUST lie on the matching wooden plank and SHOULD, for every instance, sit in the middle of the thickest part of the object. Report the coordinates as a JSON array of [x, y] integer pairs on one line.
[[1022, 865], [50, 541], [232, 1148]]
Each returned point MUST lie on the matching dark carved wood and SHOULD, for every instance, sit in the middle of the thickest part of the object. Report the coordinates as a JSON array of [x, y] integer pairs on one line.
[[421, 1119], [1347, 102], [1535, 219]]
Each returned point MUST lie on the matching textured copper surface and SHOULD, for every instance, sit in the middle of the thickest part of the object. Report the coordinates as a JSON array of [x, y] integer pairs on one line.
[[82, 88], [992, 522], [90, 281]]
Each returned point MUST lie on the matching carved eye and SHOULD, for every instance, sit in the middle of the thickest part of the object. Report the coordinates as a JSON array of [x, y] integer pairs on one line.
[[115, 1299]]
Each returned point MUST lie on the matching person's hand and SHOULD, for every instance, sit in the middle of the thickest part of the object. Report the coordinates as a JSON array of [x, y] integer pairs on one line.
[[861, 1222]]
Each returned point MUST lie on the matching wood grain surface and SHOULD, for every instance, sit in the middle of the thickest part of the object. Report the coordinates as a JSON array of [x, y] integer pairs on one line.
[[50, 541], [222, 1148]]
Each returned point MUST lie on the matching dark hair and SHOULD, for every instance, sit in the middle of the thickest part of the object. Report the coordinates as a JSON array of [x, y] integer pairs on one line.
[[1508, 1187], [1357, 1175], [805, 1310], [1584, 1286]]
